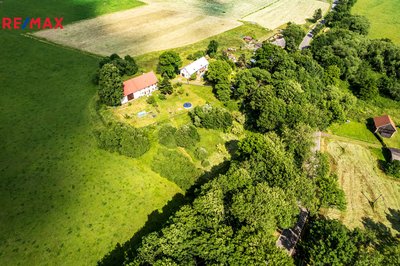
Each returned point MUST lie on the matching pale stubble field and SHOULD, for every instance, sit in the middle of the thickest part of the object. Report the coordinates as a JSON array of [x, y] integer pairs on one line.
[[162, 25]]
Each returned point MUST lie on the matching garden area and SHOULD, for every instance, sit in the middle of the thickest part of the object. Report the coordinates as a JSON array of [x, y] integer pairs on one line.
[[146, 111]]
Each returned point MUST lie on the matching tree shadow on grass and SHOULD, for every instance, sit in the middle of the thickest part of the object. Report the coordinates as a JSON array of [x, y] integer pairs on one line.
[[381, 231], [394, 218], [157, 220]]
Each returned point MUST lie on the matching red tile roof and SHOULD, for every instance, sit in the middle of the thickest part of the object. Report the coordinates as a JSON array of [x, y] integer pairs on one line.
[[384, 120], [139, 83]]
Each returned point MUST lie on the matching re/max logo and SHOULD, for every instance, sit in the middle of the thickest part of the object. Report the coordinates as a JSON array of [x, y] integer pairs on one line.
[[31, 23]]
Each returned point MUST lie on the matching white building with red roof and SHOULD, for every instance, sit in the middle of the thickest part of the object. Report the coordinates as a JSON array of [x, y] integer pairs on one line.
[[143, 85]]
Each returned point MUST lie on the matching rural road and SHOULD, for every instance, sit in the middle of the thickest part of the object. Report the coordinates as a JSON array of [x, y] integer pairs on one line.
[[308, 38]]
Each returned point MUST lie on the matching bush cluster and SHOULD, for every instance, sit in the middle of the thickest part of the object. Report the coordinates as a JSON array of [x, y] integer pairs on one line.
[[124, 139], [185, 136], [211, 117]]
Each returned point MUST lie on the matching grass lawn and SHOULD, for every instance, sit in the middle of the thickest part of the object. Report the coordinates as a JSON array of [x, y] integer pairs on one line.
[[384, 17], [63, 201], [363, 182], [171, 108], [353, 130], [394, 141]]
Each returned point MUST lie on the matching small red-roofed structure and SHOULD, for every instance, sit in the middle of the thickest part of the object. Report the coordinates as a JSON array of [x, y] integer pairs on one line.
[[384, 126]]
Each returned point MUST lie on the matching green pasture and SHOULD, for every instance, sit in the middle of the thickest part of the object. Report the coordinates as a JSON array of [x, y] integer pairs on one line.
[[63, 201], [384, 17]]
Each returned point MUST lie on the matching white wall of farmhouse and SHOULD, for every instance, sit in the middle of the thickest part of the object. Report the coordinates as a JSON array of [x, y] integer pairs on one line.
[[144, 92]]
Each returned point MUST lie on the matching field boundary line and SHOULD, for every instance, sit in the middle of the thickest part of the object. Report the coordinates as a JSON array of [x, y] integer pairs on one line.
[[258, 10]]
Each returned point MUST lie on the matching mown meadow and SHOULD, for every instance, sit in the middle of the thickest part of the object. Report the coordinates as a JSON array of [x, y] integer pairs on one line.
[[64, 201], [384, 17]]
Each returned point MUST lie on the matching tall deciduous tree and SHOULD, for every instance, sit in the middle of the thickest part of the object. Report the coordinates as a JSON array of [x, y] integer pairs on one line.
[[169, 64], [110, 85], [212, 48]]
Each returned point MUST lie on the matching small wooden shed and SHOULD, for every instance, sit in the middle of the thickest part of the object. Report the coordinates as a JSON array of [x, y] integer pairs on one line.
[[384, 126]]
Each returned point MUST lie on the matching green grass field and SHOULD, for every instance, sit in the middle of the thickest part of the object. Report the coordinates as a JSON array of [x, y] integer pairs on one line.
[[63, 201], [354, 130], [363, 182], [384, 17]]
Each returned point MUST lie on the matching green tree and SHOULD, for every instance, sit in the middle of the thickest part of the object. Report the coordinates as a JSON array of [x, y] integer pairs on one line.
[[293, 35], [262, 207], [110, 85], [165, 86], [212, 48], [169, 64], [355, 23], [393, 169], [299, 141], [187, 136], [317, 15], [131, 66], [166, 136], [223, 91], [218, 72], [327, 242]]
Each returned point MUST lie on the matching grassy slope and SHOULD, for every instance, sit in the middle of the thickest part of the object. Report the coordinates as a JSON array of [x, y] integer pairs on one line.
[[384, 17], [363, 181], [63, 200]]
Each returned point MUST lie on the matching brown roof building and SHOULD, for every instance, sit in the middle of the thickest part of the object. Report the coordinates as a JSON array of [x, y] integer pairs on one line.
[[384, 126]]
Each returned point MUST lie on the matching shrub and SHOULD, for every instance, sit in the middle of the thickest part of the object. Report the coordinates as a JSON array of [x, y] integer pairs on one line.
[[187, 136], [200, 153], [393, 169], [176, 167], [208, 116], [162, 97], [166, 136], [193, 76], [205, 163], [151, 100], [124, 139]]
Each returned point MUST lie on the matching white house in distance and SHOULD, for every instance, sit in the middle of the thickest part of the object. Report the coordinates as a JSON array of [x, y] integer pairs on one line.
[[198, 67], [142, 85]]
